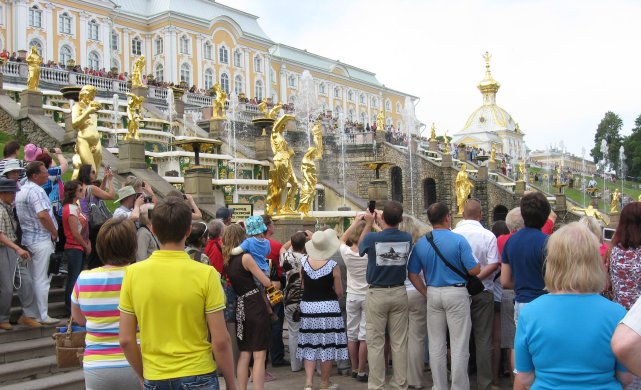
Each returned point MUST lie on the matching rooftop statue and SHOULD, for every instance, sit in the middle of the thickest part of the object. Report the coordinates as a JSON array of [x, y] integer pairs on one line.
[[84, 119], [33, 60], [433, 135]]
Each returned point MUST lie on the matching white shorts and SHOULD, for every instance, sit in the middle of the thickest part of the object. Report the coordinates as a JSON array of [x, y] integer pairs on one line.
[[355, 306]]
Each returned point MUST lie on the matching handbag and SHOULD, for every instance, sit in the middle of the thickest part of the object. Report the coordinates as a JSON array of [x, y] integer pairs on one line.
[[70, 345], [473, 284], [98, 212], [55, 260]]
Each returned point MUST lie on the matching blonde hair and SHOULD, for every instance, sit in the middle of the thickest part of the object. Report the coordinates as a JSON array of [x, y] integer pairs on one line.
[[594, 226], [355, 234], [414, 227], [233, 235], [573, 262]]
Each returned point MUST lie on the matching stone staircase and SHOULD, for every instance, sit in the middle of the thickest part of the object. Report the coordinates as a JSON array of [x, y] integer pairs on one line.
[[27, 355]]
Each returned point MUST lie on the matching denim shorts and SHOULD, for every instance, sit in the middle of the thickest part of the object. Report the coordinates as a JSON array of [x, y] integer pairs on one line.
[[197, 382]]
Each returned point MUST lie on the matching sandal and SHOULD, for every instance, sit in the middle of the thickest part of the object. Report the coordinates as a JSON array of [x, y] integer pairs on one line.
[[330, 386]]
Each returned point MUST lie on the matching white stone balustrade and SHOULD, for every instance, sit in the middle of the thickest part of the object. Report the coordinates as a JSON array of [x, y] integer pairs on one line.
[[11, 68], [201, 100]]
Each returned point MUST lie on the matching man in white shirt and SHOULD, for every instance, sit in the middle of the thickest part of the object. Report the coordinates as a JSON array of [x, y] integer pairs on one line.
[[626, 341], [483, 243], [130, 202]]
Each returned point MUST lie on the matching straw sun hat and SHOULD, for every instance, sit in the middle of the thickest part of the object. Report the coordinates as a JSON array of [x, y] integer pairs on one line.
[[322, 245]]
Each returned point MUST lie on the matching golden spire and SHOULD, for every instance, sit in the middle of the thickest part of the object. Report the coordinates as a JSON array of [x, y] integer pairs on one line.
[[488, 86]]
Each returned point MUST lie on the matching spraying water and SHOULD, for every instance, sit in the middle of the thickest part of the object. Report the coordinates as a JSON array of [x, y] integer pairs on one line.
[[604, 151], [408, 118], [171, 108], [232, 111], [341, 129], [308, 102]]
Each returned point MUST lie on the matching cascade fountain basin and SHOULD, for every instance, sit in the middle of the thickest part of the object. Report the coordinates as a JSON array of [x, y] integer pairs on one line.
[[377, 166], [263, 122], [71, 92]]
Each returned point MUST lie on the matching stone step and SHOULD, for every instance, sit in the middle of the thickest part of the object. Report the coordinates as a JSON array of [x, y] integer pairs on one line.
[[21, 332], [56, 310], [25, 370], [72, 380], [26, 349], [55, 295]]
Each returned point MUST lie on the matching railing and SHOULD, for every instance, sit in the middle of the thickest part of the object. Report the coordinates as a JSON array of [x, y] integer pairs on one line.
[[197, 99], [11, 68], [366, 137], [100, 83], [54, 76], [158, 93]]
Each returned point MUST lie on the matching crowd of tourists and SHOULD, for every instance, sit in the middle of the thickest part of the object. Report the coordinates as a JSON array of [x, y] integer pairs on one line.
[[170, 301]]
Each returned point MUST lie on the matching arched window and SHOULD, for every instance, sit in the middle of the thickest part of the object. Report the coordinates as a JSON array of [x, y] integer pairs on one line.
[[337, 92], [184, 44], [238, 84], [258, 90], [337, 110], [374, 102], [136, 46], [115, 42], [398, 125], [292, 99], [429, 192], [238, 58], [65, 55], [36, 42], [388, 105], [159, 45], [361, 98], [350, 115], [209, 79], [94, 60], [258, 64], [185, 73], [322, 88], [388, 121], [64, 23], [398, 107], [159, 73], [208, 51], [363, 118], [350, 95], [223, 58], [291, 81], [396, 177], [35, 17], [94, 30], [224, 82], [115, 64]]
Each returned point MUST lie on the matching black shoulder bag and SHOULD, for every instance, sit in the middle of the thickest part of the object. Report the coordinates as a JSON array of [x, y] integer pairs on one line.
[[473, 284]]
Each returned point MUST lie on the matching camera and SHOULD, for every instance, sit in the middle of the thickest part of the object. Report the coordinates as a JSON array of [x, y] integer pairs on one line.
[[148, 199]]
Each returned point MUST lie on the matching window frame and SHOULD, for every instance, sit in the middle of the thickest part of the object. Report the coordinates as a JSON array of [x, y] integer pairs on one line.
[[209, 78], [61, 59], [259, 87], [258, 64], [184, 45], [90, 60], [223, 54], [159, 70], [239, 84], [33, 11], [238, 55], [135, 41], [208, 51], [64, 20], [159, 45], [185, 68], [114, 40], [93, 27], [224, 84]]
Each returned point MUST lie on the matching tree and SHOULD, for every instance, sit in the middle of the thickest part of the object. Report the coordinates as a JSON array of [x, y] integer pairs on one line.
[[632, 147], [608, 129]]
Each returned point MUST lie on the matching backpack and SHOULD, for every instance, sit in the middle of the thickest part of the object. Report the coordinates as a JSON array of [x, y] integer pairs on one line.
[[56, 195], [98, 212]]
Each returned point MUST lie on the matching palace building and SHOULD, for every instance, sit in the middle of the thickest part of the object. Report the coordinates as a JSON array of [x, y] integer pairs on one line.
[[199, 43]]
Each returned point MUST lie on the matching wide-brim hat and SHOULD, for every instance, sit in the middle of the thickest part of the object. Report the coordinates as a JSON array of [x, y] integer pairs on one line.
[[323, 245], [255, 225], [10, 166], [125, 192], [31, 152], [8, 185]]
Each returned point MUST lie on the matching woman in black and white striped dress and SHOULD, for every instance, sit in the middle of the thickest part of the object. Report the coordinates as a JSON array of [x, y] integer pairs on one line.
[[322, 330]]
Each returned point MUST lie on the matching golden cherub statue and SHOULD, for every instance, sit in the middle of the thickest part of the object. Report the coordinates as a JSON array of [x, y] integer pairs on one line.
[[590, 211], [614, 203], [283, 171], [218, 110], [136, 74], [433, 135], [134, 116], [380, 120], [463, 187], [33, 61], [84, 119], [308, 168]]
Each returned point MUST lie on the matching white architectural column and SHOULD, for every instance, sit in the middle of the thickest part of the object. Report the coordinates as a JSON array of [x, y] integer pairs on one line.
[[166, 54], [126, 50], [149, 53], [199, 60], [283, 84], [48, 25], [84, 15], [20, 20], [369, 109], [268, 77], [248, 86], [344, 95], [172, 55], [105, 37]]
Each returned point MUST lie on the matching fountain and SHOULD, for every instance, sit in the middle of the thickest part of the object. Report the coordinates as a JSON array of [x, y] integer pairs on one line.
[[171, 108], [341, 128], [309, 103], [231, 136], [408, 117], [604, 151]]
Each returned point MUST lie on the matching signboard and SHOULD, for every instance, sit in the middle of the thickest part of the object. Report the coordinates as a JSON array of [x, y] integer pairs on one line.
[[242, 211]]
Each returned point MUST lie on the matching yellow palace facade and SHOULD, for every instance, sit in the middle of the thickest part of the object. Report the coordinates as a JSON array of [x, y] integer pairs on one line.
[[200, 42]]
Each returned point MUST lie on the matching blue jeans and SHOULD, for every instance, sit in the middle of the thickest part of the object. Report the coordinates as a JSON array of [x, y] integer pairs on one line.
[[74, 267], [197, 382]]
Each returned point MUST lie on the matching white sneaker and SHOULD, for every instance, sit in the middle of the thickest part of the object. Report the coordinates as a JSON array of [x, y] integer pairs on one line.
[[50, 321]]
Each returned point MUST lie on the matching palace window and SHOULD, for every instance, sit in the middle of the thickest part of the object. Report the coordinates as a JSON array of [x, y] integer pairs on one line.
[[64, 23], [94, 60], [388, 105], [238, 84], [322, 88], [374, 102], [35, 17], [361, 98], [291, 81], [350, 95], [159, 45], [238, 58], [363, 117], [209, 79], [208, 51], [65, 55], [337, 92], [258, 64], [136, 46], [223, 57], [159, 73], [94, 30], [184, 44], [37, 44], [258, 91], [350, 115], [224, 82], [185, 74], [115, 42], [398, 107]]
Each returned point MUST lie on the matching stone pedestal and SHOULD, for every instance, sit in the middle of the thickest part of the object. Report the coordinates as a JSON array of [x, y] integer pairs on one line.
[[462, 154], [131, 155], [263, 147], [446, 161], [1, 84], [379, 136], [30, 103], [595, 201], [140, 91], [491, 165], [482, 173], [377, 191], [216, 128], [519, 188], [614, 220], [433, 145], [198, 184], [179, 106], [561, 204], [286, 226], [456, 218]]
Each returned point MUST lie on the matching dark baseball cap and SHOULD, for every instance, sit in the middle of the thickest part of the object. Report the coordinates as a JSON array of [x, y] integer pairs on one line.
[[224, 213]]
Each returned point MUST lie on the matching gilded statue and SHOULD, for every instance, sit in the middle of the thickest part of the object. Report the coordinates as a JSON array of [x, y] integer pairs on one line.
[[84, 119], [273, 113], [493, 153], [463, 188], [136, 75], [270, 202], [218, 110], [283, 172], [447, 144], [521, 168], [614, 203], [433, 135], [308, 168], [380, 121], [134, 116], [639, 198], [557, 181], [590, 211], [33, 60]]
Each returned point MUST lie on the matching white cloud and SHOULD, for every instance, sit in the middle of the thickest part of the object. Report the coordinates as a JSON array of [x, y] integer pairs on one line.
[[561, 64]]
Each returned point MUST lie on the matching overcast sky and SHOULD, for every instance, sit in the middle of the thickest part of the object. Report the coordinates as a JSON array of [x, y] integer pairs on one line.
[[561, 64]]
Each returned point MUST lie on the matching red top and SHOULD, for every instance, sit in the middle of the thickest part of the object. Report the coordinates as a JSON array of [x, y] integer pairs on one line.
[[214, 253], [67, 211], [274, 255], [502, 239]]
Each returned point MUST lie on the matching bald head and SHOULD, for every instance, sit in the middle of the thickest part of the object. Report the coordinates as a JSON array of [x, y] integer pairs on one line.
[[472, 210]]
